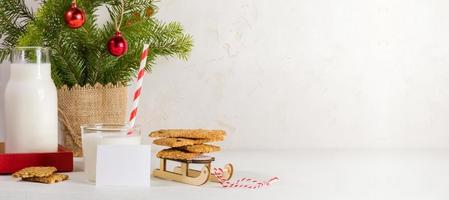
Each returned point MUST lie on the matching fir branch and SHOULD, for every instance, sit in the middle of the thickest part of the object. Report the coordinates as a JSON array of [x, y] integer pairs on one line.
[[16, 11], [14, 16], [80, 56]]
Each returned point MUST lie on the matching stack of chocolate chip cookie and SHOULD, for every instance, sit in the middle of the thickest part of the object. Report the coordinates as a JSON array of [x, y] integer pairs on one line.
[[186, 144]]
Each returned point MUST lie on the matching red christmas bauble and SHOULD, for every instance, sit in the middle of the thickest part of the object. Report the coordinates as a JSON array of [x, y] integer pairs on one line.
[[117, 45], [74, 17]]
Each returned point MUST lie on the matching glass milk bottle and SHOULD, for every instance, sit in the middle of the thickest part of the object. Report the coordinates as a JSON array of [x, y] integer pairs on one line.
[[4, 76], [31, 109]]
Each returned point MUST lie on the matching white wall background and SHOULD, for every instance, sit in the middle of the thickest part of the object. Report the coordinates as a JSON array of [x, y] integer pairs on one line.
[[308, 73]]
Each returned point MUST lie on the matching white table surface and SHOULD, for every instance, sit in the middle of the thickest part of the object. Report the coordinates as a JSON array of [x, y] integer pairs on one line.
[[304, 174]]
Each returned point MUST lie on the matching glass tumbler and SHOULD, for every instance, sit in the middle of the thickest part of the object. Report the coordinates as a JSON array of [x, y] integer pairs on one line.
[[93, 135]]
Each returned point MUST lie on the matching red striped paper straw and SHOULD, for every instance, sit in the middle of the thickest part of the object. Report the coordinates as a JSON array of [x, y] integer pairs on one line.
[[137, 92]]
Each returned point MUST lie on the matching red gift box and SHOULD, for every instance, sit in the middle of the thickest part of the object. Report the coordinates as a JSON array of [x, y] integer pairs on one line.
[[12, 162]]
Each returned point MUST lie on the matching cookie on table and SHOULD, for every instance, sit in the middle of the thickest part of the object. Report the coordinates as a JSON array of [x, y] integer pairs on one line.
[[189, 133], [200, 148], [176, 154], [34, 172], [173, 142], [54, 178]]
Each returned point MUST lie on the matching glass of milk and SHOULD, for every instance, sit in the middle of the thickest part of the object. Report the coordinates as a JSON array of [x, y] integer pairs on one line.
[[93, 135], [31, 106]]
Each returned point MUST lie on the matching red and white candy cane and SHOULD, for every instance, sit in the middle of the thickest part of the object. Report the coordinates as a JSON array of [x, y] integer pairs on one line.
[[243, 182], [139, 81]]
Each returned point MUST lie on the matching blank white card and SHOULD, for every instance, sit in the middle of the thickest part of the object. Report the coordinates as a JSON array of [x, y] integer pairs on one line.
[[123, 165]]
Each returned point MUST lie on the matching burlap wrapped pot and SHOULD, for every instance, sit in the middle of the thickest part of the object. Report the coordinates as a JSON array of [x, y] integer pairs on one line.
[[89, 104]]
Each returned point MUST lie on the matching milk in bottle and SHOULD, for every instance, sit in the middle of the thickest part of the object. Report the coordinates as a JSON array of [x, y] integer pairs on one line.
[[31, 110]]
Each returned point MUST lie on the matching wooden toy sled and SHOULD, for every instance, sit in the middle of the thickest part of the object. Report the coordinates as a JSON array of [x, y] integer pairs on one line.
[[189, 176]]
